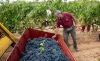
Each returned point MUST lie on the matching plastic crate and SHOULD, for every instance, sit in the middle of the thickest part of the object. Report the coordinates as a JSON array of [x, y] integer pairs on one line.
[[31, 33]]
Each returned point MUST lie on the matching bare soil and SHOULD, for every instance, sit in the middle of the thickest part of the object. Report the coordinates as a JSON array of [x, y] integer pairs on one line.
[[88, 45]]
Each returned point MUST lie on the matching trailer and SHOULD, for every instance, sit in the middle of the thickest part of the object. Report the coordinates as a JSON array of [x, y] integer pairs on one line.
[[32, 33]]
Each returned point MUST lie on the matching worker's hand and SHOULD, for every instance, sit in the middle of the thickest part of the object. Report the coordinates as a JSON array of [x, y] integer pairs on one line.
[[53, 36], [76, 25]]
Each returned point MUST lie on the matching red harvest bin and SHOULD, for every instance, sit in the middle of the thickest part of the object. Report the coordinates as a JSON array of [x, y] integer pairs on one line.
[[31, 33]]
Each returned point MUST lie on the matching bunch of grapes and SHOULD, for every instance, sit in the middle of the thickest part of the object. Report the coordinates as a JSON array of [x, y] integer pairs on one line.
[[43, 49]]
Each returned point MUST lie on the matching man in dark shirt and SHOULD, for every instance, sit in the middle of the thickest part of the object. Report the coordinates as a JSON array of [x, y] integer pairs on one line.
[[66, 20]]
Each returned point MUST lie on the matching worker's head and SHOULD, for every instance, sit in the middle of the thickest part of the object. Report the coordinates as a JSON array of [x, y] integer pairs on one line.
[[57, 14]]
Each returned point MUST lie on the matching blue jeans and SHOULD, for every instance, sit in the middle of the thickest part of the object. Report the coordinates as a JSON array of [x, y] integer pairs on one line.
[[73, 35]]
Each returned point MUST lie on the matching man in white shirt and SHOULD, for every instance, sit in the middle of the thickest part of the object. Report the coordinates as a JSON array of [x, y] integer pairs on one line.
[[48, 12], [46, 22]]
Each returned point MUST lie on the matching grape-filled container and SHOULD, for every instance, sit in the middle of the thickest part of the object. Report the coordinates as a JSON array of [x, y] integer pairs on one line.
[[32, 33]]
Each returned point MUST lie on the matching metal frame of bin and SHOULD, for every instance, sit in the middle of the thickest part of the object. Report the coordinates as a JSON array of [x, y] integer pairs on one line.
[[31, 33], [6, 34]]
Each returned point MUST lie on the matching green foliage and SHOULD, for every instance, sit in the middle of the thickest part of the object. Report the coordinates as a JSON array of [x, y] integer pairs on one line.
[[98, 59], [13, 13]]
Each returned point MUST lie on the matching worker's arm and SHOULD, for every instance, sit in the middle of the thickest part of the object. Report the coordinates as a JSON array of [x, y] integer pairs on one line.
[[57, 28], [56, 32], [74, 20]]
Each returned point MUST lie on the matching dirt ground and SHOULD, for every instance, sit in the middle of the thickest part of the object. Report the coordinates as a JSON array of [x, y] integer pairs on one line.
[[88, 44]]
